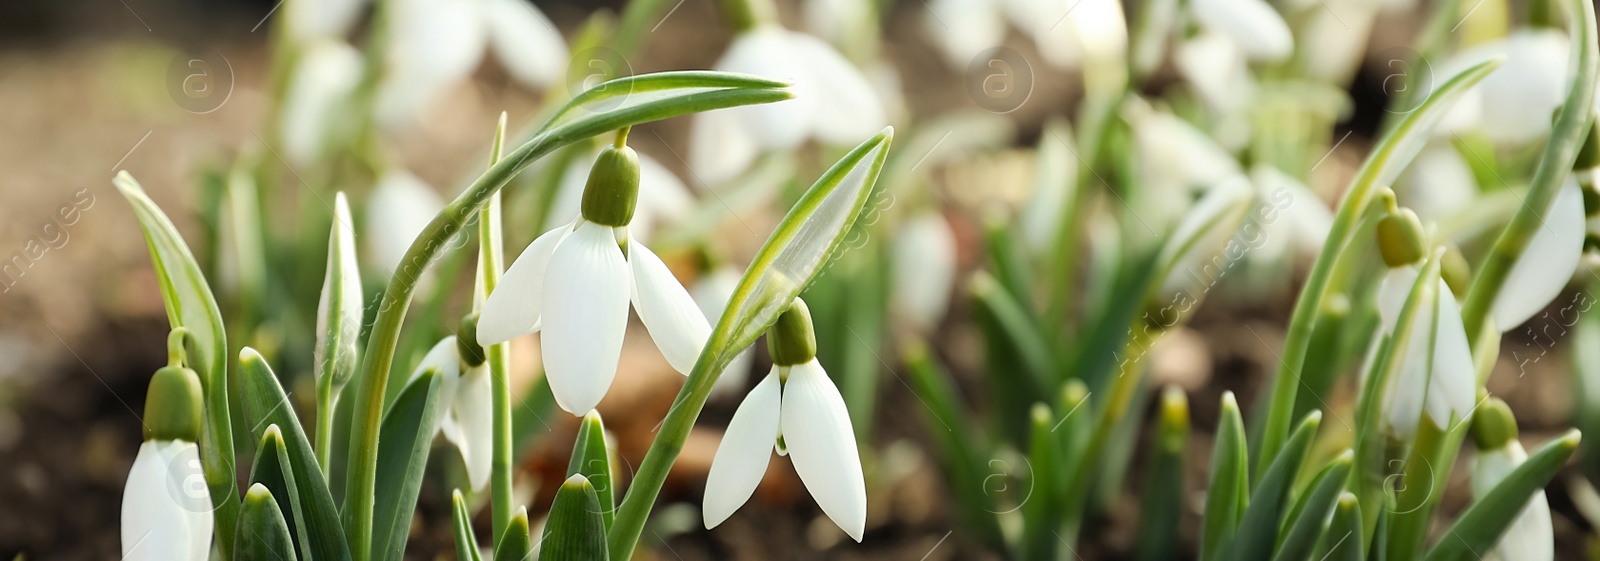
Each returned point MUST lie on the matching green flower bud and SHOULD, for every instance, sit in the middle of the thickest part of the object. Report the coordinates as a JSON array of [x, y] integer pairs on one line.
[[1455, 270], [1493, 425], [613, 188], [1400, 238], [173, 407], [792, 339], [467, 342]]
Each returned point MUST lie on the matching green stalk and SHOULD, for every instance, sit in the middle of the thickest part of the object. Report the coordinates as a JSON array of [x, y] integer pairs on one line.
[[491, 256], [564, 129], [1114, 406], [1570, 130]]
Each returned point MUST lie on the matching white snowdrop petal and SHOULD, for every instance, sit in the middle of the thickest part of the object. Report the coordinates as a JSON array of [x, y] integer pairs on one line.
[[444, 42], [711, 292], [325, 76], [154, 526], [769, 51], [1102, 28], [1525, 91], [316, 19], [586, 289], [442, 358], [1454, 379], [1392, 293], [675, 323], [816, 427], [1546, 264], [1408, 388], [1530, 537], [1438, 183], [1253, 24], [663, 198], [471, 411], [1217, 69], [513, 309], [399, 208], [923, 262], [525, 42], [847, 108], [720, 147], [963, 28], [745, 450], [195, 503]]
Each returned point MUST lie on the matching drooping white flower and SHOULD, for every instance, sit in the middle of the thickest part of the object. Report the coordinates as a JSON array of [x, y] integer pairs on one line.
[[1179, 161], [1335, 40], [795, 411], [962, 29], [1437, 372], [1546, 264], [468, 420], [575, 282], [1298, 219], [309, 20], [1515, 103], [1252, 24], [1530, 537], [1218, 70], [399, 208], [834, 103], [712, 292], [663, 198], [166, 508], [440, 42], [1068, 33], [325, 76], [1438, 183], [923, 269]]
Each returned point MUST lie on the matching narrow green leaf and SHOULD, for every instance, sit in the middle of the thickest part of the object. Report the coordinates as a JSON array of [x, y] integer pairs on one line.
[[630, 93], [1164, 498], [1258, 529], [1041, 511], [575, 531], [517, 543], [1307, 527], [1479, 528], [405, 440], [191, 305], [265, 405], [262, 533], [1074, 430], [944, 418], [271, 469], [1018, 327], [466, 541], [1342, 540], [1227, 492], [592, 459]]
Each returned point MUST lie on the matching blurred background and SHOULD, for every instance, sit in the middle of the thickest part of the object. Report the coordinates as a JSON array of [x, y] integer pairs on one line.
[[90, 87]]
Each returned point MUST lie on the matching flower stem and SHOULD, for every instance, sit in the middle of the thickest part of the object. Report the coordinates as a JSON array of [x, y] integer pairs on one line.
[[491, 257]]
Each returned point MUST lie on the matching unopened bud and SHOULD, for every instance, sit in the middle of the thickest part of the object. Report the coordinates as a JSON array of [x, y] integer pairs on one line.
[[173, 407], [1400, 238], [1493, 425], [613, 188]]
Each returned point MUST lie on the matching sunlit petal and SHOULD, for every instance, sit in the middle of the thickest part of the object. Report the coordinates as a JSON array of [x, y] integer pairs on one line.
[[674, 321], [154, 524], [770, 51], [746, 449], [399, 208], [471, 411], [325, 76], [1530, 537], [513, 309], [525, 42], [816, 428], [1546, 264], [1453, 383], [924, 268], [586, 290], [1253, 24]]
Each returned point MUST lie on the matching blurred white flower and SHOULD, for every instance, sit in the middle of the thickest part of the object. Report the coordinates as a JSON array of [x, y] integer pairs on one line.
[[1437, 372], [398, 209], [326, 74], [923, 269], [1438, 183], [797, 411], [1252, 24], [712, 292], [962, 29], [1514, 105], [468, 422], [162, 518], [834, 103], [1334, 40], [1217, 69], [1529, 538], [309, 20], [1178, 160], [1067, 33], [1298, 221], [663, 198], [1547, 263], [437, 43]]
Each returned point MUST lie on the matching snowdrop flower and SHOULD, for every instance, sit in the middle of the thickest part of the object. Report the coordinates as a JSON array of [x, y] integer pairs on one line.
[[324, 78], [1297, 221], [1438, 183], [1547, 263], [575, 282], [1179, 159], [795, 411], [1514, 104], [308, 20], [1067, 34], [400, 207], [1218, 70], [467, 424], [166, 508], [712, 292], [1253, 25], [923, 265], [1437, 374], [833, 103], [663, 198], [963, 29], [1529, 538], [443, 41]]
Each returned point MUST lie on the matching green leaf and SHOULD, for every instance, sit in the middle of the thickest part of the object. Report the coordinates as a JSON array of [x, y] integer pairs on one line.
[[1041, 511], [1017, 326], [1305, 529], [407, 436], [592, 460], [953, 441], [466, 542], [1258, 529], [575, 531], [1392, 154], [265, 405], [1342, 540], [271, 470], [517, 543], [649, 98], [1480, 527], [191, 305], [1229, 488], [262, 533], [1164, 497]]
